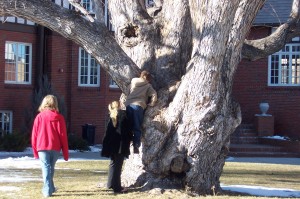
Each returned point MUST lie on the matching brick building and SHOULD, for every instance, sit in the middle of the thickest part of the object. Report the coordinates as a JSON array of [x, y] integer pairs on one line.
[[29, 51], [274, 79]]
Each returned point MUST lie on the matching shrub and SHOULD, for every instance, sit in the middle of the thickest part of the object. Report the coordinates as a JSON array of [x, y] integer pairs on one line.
[[15, 142], [77, 143], [45, 88]]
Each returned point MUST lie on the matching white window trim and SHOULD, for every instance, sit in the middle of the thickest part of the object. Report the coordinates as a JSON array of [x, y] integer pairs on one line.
[[89, 68], [66, 4], [30, 64], [107, 19], [149, 3], [11, 120], [112, 84], [12, 19], [280, 53]]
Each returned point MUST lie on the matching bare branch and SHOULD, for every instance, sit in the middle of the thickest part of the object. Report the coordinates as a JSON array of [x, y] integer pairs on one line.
[[98, 9], [94, 37], [78, 7], [256, 49], [142, 4], [295, 10]]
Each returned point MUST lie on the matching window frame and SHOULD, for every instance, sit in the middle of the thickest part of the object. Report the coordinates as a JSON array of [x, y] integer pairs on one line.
[[17, 81], [2, 122], [107, 17], [149, 3], [112, 83], [282, 54], [89, 57], [83, 3]]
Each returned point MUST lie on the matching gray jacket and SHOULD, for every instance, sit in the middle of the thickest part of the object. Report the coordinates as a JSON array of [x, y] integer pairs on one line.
[[140, 91]]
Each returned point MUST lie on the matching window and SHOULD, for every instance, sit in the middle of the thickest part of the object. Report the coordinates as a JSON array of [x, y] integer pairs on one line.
[[89, 70], [86, 4], [108, 17], [18, 63], [15, 20], [284, 66], [149, 3], [112, 83], [5, 122]]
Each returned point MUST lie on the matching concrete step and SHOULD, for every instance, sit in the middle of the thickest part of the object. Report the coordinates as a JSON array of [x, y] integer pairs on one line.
[[259, 150], [255, 148], [288, 145], [244, 140]]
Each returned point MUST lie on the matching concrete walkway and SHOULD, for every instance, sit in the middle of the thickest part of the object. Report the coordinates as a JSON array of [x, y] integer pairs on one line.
[[267, 160], [86, 155], [95, 155]]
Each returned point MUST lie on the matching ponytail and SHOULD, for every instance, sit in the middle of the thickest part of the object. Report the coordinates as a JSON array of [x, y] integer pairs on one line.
[[113, 108]]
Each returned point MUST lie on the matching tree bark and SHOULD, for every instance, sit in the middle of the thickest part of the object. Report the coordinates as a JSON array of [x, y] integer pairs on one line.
[[192, 48], [256, 49], [94, 37], [186, 136]]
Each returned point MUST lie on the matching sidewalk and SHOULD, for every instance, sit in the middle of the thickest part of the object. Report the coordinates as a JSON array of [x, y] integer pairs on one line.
[[267, 160], [86, 155], [94, 154]]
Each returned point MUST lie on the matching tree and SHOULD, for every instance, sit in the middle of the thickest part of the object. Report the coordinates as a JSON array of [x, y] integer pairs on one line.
[[192, 48]]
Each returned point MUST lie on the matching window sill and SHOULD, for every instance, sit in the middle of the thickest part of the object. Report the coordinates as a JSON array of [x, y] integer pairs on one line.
[[18, 86]]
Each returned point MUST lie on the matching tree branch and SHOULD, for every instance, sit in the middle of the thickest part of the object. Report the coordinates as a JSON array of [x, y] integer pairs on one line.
[[78, 7], [95, 38], [260, 48], [98, 9]]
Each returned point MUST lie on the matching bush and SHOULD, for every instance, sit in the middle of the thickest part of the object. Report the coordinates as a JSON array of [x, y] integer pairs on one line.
[[77, 143], [15, 142]]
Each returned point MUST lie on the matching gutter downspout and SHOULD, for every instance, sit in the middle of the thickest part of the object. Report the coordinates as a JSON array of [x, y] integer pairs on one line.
[[40, 67]]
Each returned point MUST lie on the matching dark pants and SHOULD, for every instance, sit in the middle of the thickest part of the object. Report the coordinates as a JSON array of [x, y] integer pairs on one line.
[[136, 115], [114, 173]]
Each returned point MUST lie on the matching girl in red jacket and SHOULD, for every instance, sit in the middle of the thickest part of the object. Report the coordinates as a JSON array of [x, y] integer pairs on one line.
[[49, 136]]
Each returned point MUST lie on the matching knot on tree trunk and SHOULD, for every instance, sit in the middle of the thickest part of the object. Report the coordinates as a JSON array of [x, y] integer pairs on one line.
[[179, 165], [129, 35]]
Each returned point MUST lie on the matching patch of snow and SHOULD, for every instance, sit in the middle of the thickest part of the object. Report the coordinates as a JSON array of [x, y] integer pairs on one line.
[[24, 160], [262, 191], [276, 137], [9, 188]]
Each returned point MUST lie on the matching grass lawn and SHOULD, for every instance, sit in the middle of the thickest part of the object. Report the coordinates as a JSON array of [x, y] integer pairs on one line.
[[78, 180]]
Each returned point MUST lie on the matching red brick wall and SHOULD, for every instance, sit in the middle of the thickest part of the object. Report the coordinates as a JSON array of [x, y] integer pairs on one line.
[[89, 105], [16, 97], [251, 87], [85, 105]]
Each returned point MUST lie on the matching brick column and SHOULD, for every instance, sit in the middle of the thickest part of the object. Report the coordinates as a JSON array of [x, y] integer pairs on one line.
[[264, 125]]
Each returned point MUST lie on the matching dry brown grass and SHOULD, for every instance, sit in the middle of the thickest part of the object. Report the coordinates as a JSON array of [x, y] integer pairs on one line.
[[77, 180]]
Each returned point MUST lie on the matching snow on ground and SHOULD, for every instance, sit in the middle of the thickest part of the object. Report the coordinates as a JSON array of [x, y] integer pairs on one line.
[[277, 137], [24, 160], [262, 191]]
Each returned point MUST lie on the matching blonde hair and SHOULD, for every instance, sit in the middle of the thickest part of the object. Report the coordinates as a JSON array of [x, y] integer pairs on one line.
[[113, 108], [49, 102]]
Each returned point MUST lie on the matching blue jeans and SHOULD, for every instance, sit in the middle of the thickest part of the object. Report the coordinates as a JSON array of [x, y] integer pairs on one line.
[[135, 114], [48, 159]]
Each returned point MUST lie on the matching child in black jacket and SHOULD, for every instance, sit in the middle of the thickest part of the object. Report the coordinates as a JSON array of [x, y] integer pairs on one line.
[[116, 144]]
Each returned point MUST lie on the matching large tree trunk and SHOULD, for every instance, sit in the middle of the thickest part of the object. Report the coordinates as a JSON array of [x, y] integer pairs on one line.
[[192, 48], [186, 136]]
